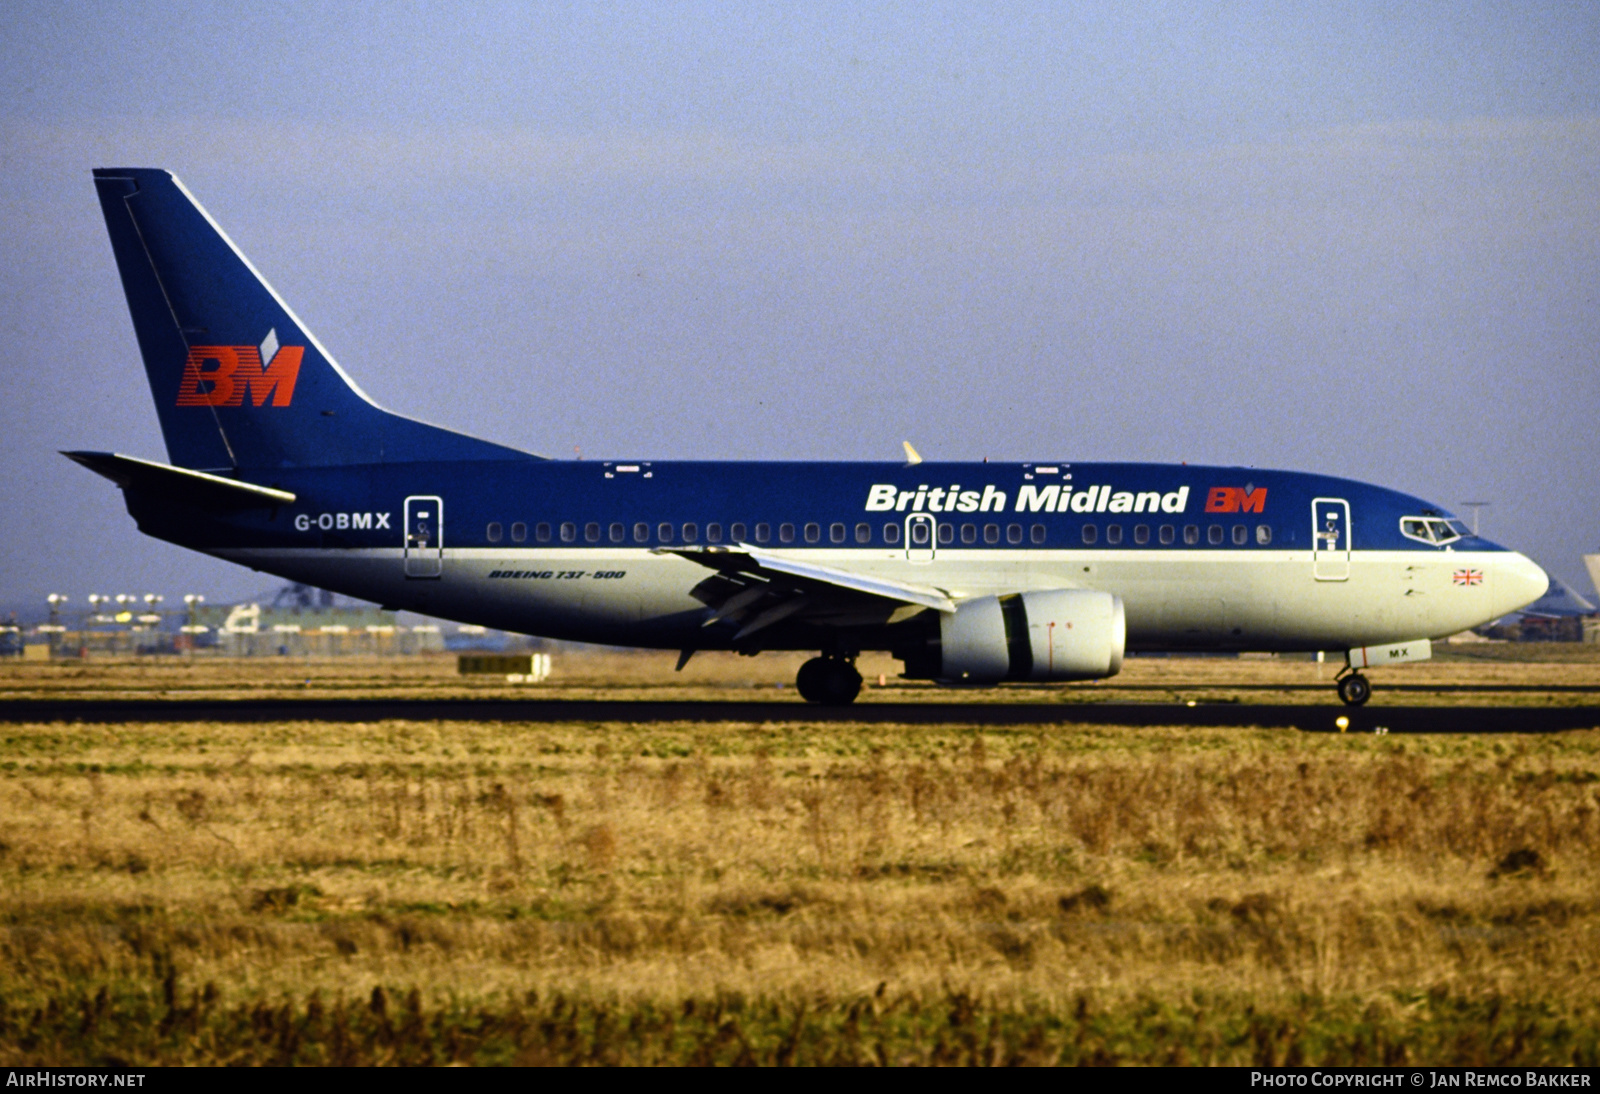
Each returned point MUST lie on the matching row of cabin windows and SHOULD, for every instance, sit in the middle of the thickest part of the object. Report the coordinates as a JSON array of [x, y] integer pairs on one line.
[[1216, 534], [617, 532]]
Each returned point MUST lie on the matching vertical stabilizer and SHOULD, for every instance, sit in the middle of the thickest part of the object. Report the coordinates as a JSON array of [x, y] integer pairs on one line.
[[239, 382]]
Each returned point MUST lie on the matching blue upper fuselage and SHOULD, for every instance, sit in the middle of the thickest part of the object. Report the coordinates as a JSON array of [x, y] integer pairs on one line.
[[1053, 506]]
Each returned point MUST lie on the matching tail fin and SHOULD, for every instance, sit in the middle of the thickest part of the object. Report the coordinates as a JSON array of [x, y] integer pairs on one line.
[[239, 382]]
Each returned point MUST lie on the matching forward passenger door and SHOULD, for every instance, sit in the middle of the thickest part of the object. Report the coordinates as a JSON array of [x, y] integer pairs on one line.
[[1330, 539]]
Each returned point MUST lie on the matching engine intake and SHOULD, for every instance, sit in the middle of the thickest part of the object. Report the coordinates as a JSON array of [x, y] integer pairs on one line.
[[1055, 634]]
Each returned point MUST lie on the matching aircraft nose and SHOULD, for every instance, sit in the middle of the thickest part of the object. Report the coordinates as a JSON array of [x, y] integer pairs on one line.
[[1521, 581]]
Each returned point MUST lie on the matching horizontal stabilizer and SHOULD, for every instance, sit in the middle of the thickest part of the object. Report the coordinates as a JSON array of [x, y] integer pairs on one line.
[[194, 487]]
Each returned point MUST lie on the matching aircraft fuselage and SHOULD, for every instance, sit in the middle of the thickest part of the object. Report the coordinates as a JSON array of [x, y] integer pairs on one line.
[[1202, 557], [967, 572]]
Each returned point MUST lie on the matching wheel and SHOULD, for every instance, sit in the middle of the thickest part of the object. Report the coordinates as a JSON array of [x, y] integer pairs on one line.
[[808, 681], [1355, 689], [842, 684], [828, 682]]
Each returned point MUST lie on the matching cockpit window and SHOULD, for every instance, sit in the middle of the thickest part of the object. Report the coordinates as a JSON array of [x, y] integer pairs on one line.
[[1435, 530]]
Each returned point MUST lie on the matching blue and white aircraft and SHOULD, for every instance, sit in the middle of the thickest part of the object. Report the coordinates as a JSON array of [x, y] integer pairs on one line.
[[969, 573]]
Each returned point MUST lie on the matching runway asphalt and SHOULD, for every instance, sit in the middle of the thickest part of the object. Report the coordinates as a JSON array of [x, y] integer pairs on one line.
[[1323, 719]]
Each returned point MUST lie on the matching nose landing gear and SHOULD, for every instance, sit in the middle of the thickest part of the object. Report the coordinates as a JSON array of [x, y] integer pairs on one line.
[[828, 681], [1355, 689]]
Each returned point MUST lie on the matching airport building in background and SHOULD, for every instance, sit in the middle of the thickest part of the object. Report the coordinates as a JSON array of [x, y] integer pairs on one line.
[[295, 621], [310, 630]]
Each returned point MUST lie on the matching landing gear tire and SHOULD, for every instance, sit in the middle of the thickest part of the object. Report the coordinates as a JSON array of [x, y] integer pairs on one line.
[[1355, 689], [828, 682]]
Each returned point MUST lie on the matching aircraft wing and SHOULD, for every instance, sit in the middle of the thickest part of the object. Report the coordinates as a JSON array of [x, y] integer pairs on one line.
[[757, 588]]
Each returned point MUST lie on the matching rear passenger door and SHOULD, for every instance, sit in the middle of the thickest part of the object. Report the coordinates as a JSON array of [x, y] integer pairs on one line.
[[424, 532]]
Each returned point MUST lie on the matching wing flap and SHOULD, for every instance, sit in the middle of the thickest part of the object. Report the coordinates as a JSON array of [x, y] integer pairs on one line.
[[746, 559]]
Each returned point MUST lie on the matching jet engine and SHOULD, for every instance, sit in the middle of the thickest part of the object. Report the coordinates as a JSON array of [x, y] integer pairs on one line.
[[1055, 634]]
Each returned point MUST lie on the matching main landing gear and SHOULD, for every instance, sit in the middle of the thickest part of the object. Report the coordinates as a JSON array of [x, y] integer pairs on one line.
[[1355, 689], [830, 681]]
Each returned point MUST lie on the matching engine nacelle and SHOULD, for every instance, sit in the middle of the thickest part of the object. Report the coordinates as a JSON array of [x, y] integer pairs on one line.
[[1056, 634]]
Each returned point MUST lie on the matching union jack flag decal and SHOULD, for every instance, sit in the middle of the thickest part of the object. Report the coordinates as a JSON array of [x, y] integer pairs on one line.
[[1467, 577]]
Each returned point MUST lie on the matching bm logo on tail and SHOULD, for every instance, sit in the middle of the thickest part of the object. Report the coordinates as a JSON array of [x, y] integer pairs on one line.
[[224, 375]]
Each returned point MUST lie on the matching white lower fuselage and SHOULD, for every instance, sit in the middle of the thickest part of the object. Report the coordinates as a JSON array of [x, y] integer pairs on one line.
[[1174, 599]]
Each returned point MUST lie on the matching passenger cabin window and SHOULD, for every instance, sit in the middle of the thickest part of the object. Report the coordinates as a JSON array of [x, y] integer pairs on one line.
[[1191, 534], [1113, 534], [785, 533], [569, 532], [1036, 533], [519, 532], [891, 533], [1090, 533], [1241, 535], [813, 532], [1263, 535], [664, 532], [991, 533], [1168, 534], [738, 533], [1013, 533], [1214, 534], [691, 532], [863, 533], [619, 533], [763, 532], [1141, 534], [947, 534], [836, 533], [641, 532], [969, 533], [591, 532], [1434, 530], [541, 532], [713, 533], [919, 534], [493, 532]]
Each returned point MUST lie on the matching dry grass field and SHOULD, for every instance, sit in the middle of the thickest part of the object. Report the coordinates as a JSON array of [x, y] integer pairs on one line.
[[409, 892]]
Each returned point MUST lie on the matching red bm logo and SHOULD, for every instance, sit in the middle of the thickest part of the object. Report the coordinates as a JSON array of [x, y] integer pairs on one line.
[[1236, 499], [224, 375]]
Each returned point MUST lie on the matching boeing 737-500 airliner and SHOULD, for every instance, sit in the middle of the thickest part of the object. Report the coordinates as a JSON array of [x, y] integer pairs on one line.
[[972, 573]]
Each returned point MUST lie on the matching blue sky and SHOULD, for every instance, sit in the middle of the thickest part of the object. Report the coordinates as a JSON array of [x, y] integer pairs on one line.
[[1345, 238]]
